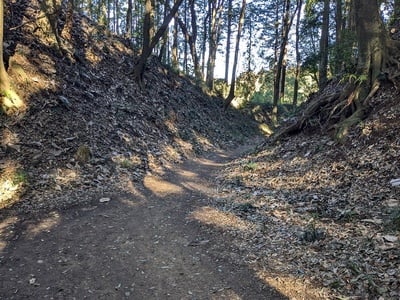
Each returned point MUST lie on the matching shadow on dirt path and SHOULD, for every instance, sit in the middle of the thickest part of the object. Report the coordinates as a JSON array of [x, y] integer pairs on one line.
[[125, 246]]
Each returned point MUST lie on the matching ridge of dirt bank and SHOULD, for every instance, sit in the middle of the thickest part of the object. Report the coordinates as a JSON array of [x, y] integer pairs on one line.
[[86, 125]]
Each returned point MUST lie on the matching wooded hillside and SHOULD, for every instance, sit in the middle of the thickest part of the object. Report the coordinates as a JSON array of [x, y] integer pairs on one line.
[[96, 96]]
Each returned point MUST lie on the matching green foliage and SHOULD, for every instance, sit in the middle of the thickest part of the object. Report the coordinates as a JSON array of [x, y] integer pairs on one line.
[[221, 88], [20, 177], [250, 166], [344, 55], [353, 78], [126, 163]]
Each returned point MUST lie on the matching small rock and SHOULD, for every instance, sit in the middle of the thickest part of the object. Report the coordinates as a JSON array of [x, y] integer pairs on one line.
[[390, 238], [103, 200], [395, 182]]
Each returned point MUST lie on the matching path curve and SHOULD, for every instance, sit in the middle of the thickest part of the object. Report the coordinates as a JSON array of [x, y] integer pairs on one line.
[[125, 246]]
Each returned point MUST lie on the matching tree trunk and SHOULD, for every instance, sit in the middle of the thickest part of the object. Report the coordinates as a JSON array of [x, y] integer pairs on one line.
[[338, 34], [204, 43], [146, 50], [279, 82], [175, 64], [228, 40], [9, 100], [372, 57], [128, 22], [215, 7], [231, 95], [191, 39], [323, 49], [4, 80], [298, 60]]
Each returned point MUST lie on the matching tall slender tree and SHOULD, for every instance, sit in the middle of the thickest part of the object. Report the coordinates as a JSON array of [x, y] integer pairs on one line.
[[228, 39], [215, 8], [298, 59], [323, 48], [231, 95]]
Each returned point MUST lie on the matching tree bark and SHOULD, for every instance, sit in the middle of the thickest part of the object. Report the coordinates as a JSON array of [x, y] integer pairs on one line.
[[298, 60], [280, 70], [231, 95], [175, 64], [338, 35], [146, 50], [215, 7], [372, 57], [228, 40], [128, 22], [191, 39], [323, 48], [4, 80]]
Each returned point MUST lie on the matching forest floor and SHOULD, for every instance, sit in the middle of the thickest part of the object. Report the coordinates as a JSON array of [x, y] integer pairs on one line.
[[110, 191], [147, 244]]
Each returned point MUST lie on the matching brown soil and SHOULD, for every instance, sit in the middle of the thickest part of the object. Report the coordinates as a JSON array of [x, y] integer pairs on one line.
[[140, 245]]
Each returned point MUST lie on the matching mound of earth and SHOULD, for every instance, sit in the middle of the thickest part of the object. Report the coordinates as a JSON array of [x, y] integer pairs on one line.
[[321, 216], [86, 124]]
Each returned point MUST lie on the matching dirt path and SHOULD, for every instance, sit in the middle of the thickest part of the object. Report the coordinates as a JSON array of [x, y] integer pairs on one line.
[[142, 246]]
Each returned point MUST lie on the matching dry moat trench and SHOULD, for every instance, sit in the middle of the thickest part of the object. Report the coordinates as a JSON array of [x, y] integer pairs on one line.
[[147, 244]]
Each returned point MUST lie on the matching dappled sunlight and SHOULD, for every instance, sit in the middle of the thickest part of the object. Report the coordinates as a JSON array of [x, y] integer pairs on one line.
[[9, 139], [202, 140], [11, 103], [5, 230], [185, 147], [210, 162], [29, 76], [290, 286], [127, 161], [227, 294], [126, 184], [12, 181], [66, 176], [225, 220], [171, 153], [161, 187], [45, 225], [265, 129], [194, 186], [186, 173]]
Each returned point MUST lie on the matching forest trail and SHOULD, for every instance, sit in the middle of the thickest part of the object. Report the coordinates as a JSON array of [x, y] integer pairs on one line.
[[142, 245]]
